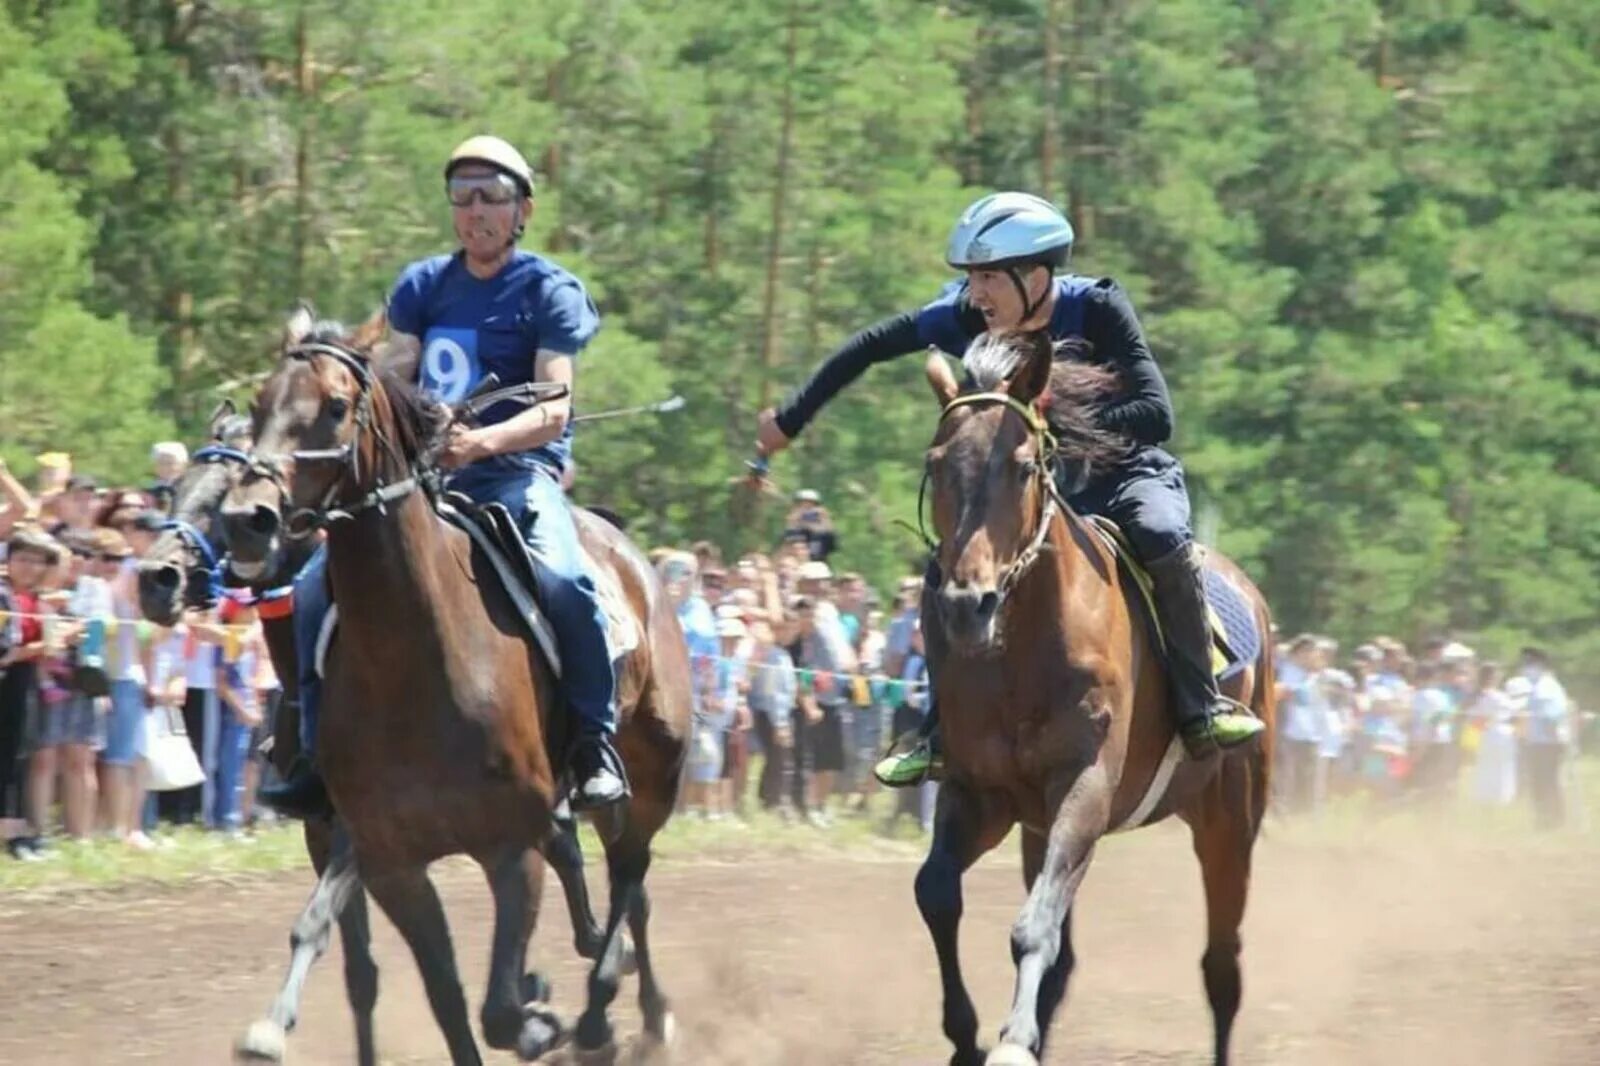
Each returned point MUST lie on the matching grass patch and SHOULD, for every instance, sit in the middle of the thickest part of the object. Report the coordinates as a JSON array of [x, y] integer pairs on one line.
[[1353, 821], [181, 855]]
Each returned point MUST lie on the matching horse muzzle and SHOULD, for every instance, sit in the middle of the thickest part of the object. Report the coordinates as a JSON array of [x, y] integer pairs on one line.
[[970, 615], [254, 532], [161, 591]]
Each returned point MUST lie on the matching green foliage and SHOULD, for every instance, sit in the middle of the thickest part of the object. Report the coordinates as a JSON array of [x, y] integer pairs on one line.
[[1363, 237]]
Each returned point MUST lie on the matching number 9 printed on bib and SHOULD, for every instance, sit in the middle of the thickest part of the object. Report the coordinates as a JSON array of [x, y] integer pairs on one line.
[[450, 367]]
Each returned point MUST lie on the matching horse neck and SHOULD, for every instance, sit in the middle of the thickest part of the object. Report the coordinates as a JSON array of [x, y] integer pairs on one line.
[[1066, 567], [381, 565]]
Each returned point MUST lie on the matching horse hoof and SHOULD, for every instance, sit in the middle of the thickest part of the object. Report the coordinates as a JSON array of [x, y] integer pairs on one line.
[[535, 988], [542, 1032], [264, 1041], [654, 1046], [604, 1055], [1011, 1055], [664, 1033]]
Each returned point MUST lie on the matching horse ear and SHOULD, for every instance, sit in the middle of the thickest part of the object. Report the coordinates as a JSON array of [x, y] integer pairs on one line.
[[299, 326], [1031, 380], [225, 410], [371, 332], [940, 378]]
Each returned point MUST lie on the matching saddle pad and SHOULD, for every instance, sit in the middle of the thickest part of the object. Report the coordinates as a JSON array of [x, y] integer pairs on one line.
[[1236, 639], [622, 630], [1230, 611]]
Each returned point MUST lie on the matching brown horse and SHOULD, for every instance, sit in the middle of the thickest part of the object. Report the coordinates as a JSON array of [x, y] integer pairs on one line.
[[1053, 697], [442, 717], [184, 567]]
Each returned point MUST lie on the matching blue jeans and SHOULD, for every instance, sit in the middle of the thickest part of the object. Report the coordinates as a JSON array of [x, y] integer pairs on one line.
[[311, 601], [566, 593], [125, 724], [233, 751]]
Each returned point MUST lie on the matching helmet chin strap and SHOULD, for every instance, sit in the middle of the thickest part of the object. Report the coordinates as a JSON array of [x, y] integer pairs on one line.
[[517, 227], [1029, 307]]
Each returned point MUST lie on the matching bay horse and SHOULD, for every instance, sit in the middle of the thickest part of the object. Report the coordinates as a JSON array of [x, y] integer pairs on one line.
[[185, 567], [443, 720], [1052, 693]]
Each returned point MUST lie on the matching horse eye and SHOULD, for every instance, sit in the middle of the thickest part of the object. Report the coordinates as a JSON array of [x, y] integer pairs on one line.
[[338, 407]]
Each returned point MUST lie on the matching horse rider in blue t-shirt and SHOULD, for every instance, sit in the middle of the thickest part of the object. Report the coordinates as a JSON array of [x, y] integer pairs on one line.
[[493, 308], [1010, 246]]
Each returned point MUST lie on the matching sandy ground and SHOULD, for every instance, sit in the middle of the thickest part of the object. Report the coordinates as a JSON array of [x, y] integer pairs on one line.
[[1404, 949]]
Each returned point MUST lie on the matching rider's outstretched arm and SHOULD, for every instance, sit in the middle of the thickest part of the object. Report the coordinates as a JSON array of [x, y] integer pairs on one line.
[[876, 344]]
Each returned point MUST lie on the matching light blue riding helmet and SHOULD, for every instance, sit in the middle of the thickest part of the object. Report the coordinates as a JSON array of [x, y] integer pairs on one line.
[[1009, 229]]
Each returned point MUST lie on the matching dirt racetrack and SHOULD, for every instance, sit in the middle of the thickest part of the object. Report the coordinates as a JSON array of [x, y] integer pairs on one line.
[[1400, 949]]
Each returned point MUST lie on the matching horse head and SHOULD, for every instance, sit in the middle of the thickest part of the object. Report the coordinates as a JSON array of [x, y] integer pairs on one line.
[[333, 436], [990, 469], [183, 565]]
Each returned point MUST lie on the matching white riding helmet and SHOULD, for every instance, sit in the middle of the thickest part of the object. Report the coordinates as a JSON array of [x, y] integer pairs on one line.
[[1010, 228], [493, 152]]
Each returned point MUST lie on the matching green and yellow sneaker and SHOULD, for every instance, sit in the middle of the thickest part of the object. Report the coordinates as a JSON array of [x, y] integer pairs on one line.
[[1222, 729], [911, 761]]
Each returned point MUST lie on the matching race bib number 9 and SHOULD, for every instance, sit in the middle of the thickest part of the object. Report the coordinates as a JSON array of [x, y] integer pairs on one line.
[[450, 367]]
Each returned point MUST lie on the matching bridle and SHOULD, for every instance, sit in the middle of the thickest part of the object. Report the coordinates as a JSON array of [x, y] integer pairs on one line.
[[202, 557], [1051, 505], [304, 521]]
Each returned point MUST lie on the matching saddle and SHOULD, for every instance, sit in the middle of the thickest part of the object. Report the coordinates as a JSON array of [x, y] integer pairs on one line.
[[494, 533], [1235, 637]]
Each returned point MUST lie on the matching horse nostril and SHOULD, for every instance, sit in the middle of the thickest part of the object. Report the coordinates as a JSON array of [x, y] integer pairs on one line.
[[988, 603], [263, 521], [166, 578]]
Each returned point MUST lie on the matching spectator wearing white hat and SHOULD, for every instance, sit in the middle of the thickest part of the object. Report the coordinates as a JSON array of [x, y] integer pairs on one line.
[[170, 459], [825, 653]]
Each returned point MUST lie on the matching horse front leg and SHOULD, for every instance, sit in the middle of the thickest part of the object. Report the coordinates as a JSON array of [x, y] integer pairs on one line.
[[964, 828], [1037, 938], [308, 939], [509, 1019], [412, 904], [565, 856]]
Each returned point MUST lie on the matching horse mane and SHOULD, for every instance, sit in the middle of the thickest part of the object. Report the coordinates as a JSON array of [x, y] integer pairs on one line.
[[419, 419], [1077, 393]]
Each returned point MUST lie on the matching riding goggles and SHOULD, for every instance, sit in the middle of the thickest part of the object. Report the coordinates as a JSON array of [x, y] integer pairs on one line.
[[495, 189]]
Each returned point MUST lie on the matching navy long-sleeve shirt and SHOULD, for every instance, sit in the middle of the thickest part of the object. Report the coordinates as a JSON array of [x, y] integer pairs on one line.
[[1097, 310]]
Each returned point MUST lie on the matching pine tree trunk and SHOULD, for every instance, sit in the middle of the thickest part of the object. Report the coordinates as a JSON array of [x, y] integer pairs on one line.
[[177, 299], [780, 191], [1050, 135], [305, 88]]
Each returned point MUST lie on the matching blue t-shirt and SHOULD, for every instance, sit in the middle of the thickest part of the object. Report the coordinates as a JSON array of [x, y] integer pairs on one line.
[[940, 323], [472, 326]]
